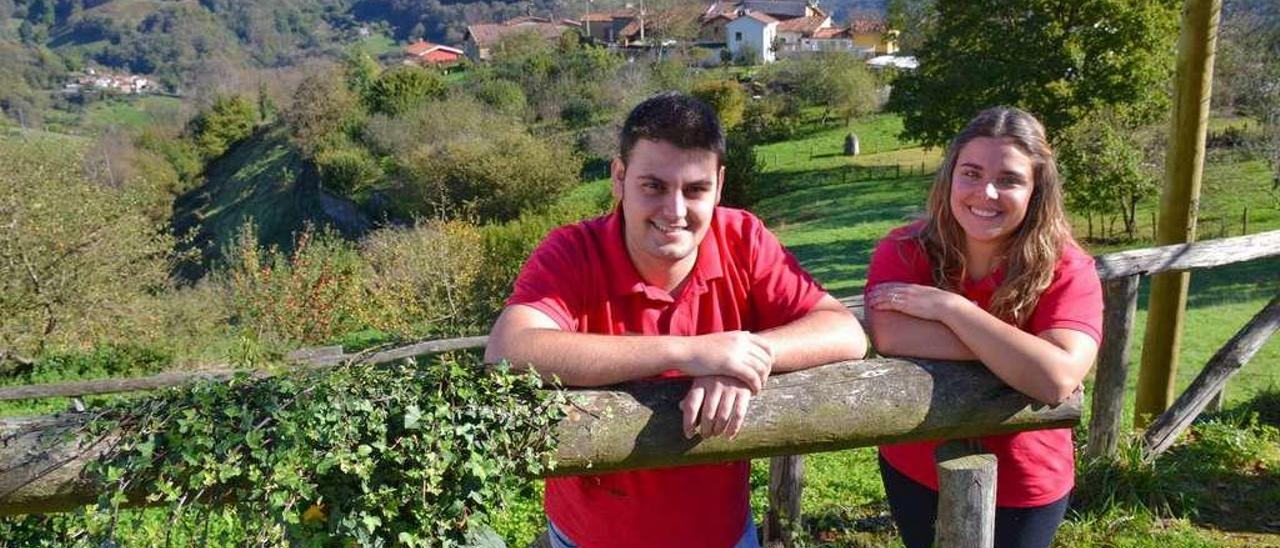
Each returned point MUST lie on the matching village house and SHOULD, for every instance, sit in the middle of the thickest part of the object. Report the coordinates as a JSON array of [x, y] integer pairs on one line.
[[616, 27], [764, 30], [118, 83], [481, 38], [426, 53]]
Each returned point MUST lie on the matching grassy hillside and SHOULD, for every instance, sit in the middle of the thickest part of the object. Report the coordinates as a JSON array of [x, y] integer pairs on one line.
[[261, 180]]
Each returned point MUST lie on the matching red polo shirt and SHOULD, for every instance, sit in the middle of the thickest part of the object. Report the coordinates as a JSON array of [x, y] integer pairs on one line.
[[1032, 468], [582, 277]]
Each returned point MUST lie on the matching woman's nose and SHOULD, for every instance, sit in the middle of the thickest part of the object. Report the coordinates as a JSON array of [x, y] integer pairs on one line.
[[990, 190]]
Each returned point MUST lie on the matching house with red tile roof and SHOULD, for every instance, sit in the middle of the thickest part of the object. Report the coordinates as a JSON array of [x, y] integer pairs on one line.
[[801, 28], [423, 52]]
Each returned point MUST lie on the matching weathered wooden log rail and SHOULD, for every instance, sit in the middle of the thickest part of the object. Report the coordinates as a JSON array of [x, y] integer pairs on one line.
[[1121, 274], [638, 425]]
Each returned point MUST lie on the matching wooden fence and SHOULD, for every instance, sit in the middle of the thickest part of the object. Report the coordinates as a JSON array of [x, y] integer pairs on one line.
[[850, 404]]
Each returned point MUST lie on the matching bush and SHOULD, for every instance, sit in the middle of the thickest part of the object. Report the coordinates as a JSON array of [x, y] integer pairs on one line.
[[77, 254], [323, 112], [503, 95], [308, 296], [228, 121], [741, 172], [728, 98], [403, 88], [348, 170], [422, 280]]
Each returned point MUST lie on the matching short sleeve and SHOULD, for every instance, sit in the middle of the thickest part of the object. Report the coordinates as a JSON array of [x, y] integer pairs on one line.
[[780, 288], [1073, 299], [898, 258], [549, 280]]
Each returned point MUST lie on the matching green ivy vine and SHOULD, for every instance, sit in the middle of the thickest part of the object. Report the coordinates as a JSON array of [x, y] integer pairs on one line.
[[394, 454]]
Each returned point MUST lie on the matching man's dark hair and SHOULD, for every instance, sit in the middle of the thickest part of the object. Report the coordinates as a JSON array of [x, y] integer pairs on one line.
[[675, 118]]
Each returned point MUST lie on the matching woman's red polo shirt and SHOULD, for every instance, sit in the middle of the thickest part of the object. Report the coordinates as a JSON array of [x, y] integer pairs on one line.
[[582, 277], [1032, 468]]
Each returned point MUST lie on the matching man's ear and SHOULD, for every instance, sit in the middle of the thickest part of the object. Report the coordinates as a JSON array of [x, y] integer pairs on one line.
[[617, 172], [719, 184]]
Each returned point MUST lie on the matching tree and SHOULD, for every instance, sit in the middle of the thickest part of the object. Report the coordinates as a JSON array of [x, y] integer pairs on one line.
[[1103, 169], [1058, 60], [323, 110], [228, 121], [727, 97], [74, 255], [911, 18]]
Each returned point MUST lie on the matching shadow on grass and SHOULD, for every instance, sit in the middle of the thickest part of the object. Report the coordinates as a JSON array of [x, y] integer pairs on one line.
[[1224, 473]]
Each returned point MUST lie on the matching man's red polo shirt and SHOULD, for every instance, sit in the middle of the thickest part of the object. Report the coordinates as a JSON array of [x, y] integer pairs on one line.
[[1033, 468], [582, 277]]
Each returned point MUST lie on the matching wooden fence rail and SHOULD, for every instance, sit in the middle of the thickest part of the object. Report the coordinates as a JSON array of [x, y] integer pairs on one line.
[[1121, 274], [638, 425]]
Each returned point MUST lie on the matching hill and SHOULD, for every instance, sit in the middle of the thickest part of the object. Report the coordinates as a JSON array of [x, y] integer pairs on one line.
[[262, 180]]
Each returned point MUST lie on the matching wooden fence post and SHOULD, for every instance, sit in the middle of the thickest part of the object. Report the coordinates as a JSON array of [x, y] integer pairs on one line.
[[1120, 298], [786, 484], [966, 496], [1225, 363]]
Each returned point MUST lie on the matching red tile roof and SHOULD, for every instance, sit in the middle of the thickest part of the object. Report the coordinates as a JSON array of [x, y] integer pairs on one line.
[[760, 17], [867, 25], [486, 34], [423, 47], [831, 33], [803, 25]]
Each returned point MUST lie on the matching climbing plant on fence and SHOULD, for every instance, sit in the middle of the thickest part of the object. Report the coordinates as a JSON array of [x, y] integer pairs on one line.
[[360, 454]]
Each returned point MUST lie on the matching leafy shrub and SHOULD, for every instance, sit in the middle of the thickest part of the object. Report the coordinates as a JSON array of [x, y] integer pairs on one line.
[[75, 254], [403, 88], [358, 455], [741, 172], [228, 121], [305, 297], [322, 112], [422, 280], [348, 170], [728, 98], [503, 95]]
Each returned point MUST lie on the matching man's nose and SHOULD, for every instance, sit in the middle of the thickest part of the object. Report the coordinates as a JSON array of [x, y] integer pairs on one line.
[[676, 206]]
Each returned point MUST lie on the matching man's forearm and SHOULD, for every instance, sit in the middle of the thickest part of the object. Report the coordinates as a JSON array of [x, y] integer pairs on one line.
[[584, 359], [827, 334]]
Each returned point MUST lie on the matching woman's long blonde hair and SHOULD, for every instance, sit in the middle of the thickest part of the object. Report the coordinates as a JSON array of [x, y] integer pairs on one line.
[[1030, 253]]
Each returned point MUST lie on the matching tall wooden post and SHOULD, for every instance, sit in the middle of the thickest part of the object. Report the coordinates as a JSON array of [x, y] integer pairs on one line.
[[1179, 203]]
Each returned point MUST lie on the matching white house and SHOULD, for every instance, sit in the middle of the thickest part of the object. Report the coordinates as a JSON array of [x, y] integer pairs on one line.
[[752, 35]]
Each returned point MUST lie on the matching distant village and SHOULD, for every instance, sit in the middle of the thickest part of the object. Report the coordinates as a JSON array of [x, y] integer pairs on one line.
[[95, 80], [744, 31]]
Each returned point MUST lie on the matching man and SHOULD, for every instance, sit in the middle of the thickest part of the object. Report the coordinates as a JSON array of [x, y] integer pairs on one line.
[[668, 284]]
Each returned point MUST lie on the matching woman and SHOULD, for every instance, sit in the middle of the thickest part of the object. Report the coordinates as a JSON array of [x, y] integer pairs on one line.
[[991, 274]]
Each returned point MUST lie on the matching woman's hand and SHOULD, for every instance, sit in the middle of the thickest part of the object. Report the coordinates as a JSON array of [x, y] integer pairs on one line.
[[920, 301]]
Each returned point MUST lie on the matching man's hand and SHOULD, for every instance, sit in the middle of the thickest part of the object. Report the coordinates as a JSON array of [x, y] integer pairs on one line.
[[715, 405], [737, 354]]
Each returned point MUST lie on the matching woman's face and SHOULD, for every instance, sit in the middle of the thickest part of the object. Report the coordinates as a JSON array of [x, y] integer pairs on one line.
[[990, 189]]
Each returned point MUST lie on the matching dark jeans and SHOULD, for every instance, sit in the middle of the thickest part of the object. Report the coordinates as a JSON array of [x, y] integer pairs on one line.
[[915, 509]]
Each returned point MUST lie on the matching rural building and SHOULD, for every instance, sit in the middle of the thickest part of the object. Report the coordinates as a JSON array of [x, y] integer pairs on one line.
[[481, 38], [426, 53], [751, 36], [801, 28]]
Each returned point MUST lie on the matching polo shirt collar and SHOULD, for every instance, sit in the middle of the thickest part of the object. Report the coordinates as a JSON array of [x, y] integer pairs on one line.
[[625, 280]]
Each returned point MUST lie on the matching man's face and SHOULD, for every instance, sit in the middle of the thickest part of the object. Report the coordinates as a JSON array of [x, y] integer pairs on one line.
[[668, 195]]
